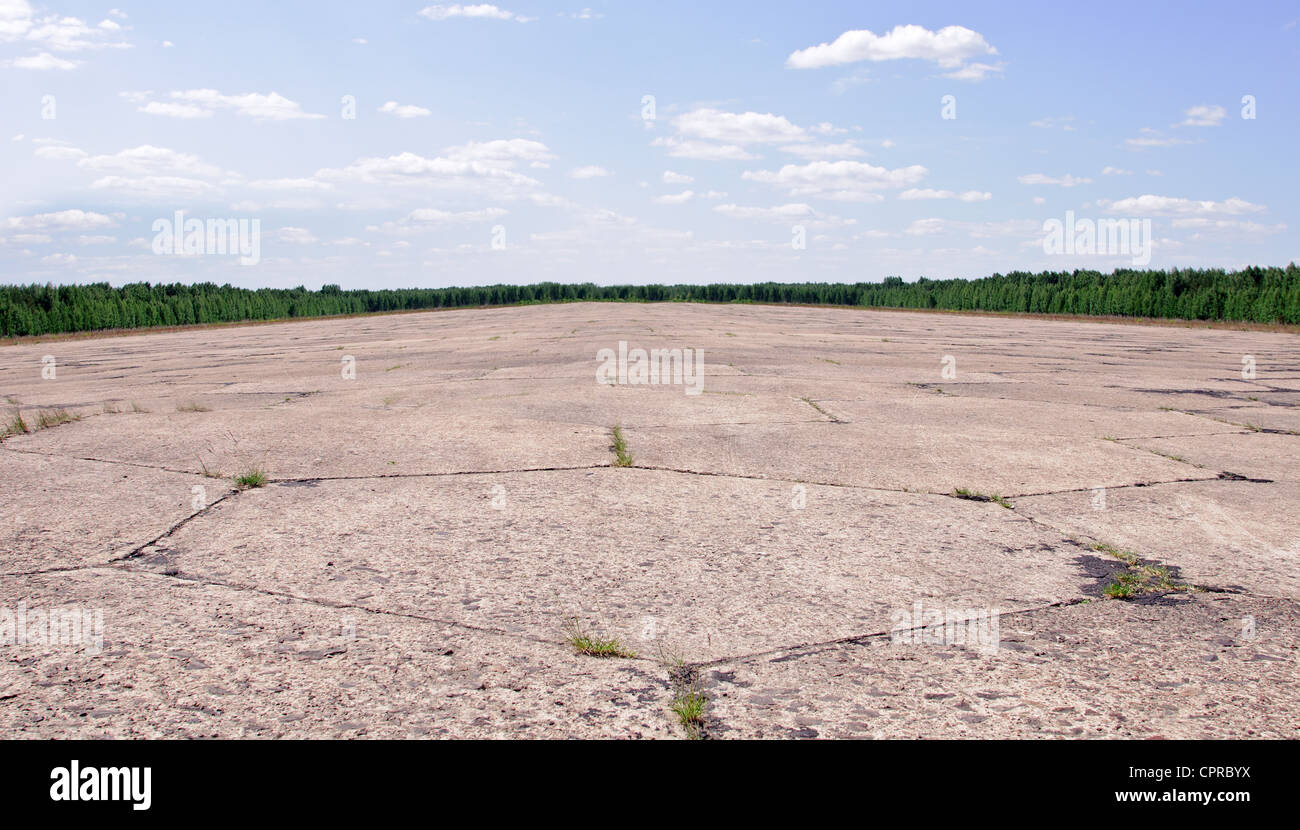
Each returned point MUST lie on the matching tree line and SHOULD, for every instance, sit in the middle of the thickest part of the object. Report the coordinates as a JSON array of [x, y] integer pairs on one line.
[[1255, 294]]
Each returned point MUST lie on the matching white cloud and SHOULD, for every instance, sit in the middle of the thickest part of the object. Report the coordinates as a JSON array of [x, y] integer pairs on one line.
[[1063, 121], [795, 212], [1152, 138], [59, 33], [143, 160], [434, 216], [1204, 115], [825, 151], [63, 220], [155, 187], [950, 47], [1115, 171], [404, 110], [677, 178], [290, 184], [482, 11], [297, 236], [483, 167], [43, 61], [15, 19], [1064, 181], [840, 180], [57, 152], [1173, 206], [675, 198], [926, 193], [702, 150], [590, 171], [738, 127], [201, 103], [175, 110], [1203, 224], [977, 72]]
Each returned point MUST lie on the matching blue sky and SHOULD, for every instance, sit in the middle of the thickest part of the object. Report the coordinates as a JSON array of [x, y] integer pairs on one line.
[[511, 142]]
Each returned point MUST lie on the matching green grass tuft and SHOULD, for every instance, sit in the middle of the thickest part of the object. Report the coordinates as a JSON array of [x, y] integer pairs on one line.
[[975, 495], [583, 643], [47, 418], [16, 425], [255, 477], [622, 458]]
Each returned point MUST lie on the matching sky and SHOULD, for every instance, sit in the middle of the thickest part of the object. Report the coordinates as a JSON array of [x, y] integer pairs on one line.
[[408, 144]]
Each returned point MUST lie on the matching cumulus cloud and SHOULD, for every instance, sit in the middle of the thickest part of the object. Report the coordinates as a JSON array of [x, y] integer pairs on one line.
[[842, 150], [710, 134], [202, 103], [1148, 137], [738, 127], [1204, 115], [63, 220], [482, 11], [404, 110], [590, 171], [675, 198], [952, 47], [794, 212], [1064, 181], [1173, 206], [487, 168], [43, 61], [702, 150], [927, 193], [297, 236], [60, 33], [840, 180], [677, 178]]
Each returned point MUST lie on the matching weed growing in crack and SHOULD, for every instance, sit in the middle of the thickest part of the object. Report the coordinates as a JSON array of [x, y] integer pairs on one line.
[[583, 643], [622, 458], [1138, 577], [689, 700], [975, 495], [193, 406], [16, 425], [54, 417], [814, 405], [255, 477]]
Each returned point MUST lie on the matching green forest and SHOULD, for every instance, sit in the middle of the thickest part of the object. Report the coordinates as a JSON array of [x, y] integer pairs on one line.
[[1256, 294]]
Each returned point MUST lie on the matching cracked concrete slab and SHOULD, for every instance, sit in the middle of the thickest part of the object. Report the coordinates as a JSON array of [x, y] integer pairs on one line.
[[715, 566], [1249, 454], [1225, 534], [236, 624], [1181, 666], [894, 452], [181, 659], [61, 512]]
